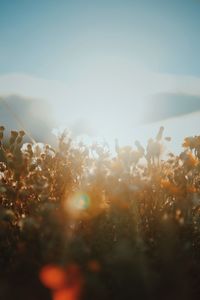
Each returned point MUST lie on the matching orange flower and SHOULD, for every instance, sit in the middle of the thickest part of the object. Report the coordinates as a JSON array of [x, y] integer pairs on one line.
[[53, 277], [64, 285], [191, 160], [170, 186], [66, 294], [175, 190], [191, 189], [165, 183]]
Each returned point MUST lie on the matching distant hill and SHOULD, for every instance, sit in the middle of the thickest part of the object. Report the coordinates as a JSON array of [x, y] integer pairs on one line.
[[168, 105], [34, 114]]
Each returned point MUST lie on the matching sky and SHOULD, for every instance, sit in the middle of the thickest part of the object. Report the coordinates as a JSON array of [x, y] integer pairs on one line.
[[101, 64]]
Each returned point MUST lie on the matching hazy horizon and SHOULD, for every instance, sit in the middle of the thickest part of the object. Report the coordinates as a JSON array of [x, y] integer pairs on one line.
[[102, 67]]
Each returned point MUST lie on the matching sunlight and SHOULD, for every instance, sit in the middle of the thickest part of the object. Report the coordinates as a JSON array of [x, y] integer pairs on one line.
[[110, 96]]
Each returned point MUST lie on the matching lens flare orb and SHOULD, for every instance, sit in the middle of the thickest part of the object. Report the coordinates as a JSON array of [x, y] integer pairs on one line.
[[80, 201]]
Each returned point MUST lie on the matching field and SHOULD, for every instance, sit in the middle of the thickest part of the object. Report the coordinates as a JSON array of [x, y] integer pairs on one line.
[[77, 222]]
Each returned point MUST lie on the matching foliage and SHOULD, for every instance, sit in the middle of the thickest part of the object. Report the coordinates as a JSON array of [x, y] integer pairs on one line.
[[78, 223]]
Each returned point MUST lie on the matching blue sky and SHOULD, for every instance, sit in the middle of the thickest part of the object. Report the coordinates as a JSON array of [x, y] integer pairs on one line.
[[52, 38], [99, 63]]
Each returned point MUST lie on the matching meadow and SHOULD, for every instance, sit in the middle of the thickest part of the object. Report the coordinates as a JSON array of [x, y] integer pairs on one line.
[[77, 222]]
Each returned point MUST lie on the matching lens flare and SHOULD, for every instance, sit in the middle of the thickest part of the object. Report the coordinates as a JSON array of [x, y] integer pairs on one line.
[[79, 201]]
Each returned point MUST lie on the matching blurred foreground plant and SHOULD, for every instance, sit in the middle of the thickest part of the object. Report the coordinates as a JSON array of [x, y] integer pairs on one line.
[[79, 223]]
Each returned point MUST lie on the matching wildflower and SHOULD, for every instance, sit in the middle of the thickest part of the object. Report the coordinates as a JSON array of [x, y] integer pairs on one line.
[[1, 135], [22, 133], [65, 294], [160, 134], [13, 136], [2, 167], [186, 143], [52, 277], [191, 160], [165, 183], [191, 189]]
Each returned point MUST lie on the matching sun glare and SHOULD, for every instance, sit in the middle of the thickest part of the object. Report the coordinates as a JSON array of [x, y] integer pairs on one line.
[[110, 97]]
